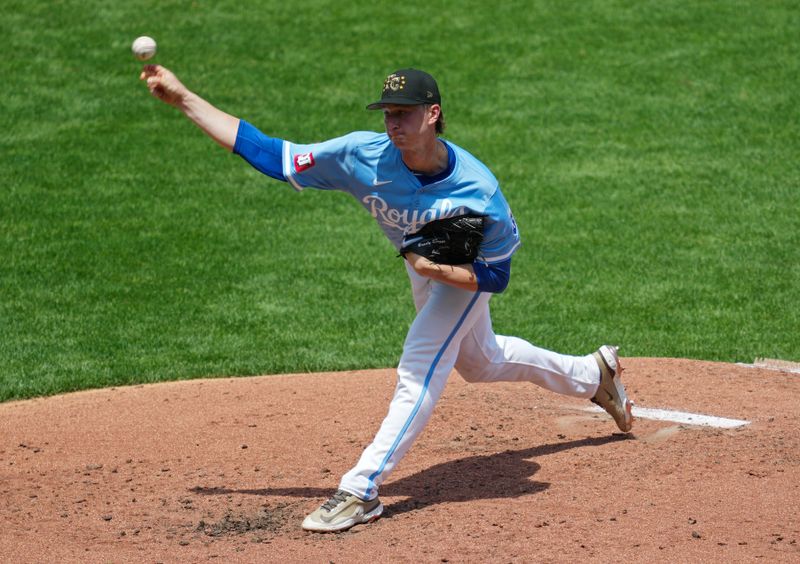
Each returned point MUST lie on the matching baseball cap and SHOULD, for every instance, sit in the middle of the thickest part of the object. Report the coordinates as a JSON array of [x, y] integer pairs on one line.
[[408, 87]]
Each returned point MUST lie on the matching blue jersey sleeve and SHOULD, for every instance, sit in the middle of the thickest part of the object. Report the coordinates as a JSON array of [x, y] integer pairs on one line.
[[492, 277], [328, 165], [501, 236], [264, 153], [480, 193]]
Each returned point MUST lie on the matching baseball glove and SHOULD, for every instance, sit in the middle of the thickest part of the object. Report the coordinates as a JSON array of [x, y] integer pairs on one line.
[[451, 240]]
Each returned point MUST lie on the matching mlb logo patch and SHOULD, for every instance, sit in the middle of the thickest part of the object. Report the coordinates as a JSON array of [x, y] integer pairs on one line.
[[303, 162]]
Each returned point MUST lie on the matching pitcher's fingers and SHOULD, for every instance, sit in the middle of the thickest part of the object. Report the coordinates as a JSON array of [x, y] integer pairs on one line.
[[151, 70]]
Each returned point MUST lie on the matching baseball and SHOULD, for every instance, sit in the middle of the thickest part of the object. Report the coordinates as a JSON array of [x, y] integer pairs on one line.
[[144, 47]]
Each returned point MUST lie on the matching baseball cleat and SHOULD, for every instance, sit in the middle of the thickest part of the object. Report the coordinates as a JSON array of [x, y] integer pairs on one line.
[[341, 512], [611, 393]]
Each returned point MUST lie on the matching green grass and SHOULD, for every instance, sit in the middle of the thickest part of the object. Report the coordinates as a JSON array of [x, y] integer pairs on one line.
[[648, 149]]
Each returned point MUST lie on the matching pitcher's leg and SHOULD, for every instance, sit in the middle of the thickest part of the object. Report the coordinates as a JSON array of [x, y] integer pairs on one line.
[[428, 356], [486, 357]]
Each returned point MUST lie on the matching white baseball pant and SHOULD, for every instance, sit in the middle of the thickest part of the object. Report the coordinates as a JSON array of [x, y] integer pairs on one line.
[[453, 328]]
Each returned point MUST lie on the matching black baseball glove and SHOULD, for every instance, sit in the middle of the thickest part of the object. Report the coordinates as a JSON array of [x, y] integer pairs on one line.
[[451, 240]]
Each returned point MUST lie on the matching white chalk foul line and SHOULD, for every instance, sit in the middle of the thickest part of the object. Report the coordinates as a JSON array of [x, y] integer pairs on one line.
[[682, 417]]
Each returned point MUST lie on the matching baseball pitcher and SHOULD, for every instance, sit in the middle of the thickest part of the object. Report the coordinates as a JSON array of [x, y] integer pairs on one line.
[[444, 212]]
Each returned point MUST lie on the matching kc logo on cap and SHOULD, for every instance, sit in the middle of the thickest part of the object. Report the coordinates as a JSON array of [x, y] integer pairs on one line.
[[394, 82]]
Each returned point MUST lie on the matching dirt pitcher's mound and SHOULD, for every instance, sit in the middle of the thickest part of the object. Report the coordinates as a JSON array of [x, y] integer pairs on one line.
[[225, 470]]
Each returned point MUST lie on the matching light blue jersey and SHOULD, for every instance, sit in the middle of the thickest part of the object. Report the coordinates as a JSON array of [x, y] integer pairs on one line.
[[368, 166]]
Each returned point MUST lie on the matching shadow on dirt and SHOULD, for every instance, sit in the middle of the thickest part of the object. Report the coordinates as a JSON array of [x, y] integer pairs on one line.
[[494, 476]]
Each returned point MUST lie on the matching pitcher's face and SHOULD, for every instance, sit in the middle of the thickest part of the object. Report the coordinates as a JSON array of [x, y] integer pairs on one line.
[[410, 126]]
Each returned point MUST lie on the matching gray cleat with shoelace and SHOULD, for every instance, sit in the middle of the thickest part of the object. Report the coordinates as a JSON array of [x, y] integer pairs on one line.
[[341, 512]]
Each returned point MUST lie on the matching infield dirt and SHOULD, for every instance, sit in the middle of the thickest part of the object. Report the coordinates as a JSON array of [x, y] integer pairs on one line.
[[225, 470]]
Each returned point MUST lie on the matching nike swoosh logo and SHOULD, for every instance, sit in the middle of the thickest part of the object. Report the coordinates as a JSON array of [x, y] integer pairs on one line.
[[376, 182], [411, 241]]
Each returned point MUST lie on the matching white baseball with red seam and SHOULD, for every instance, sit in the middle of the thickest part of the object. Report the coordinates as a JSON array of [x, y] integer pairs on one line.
[[144, 47]]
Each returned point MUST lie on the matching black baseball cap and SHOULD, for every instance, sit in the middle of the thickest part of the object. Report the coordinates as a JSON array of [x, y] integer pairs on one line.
[[408, 87]]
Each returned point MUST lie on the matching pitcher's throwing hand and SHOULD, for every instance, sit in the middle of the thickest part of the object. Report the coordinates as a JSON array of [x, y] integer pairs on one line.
[[163, 84]]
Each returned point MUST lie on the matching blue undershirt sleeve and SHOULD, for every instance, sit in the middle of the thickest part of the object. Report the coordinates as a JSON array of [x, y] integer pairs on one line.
[[492, 277], [263, 152]]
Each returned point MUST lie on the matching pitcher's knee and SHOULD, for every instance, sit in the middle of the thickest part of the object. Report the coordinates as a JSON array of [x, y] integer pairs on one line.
[[470, 374]]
